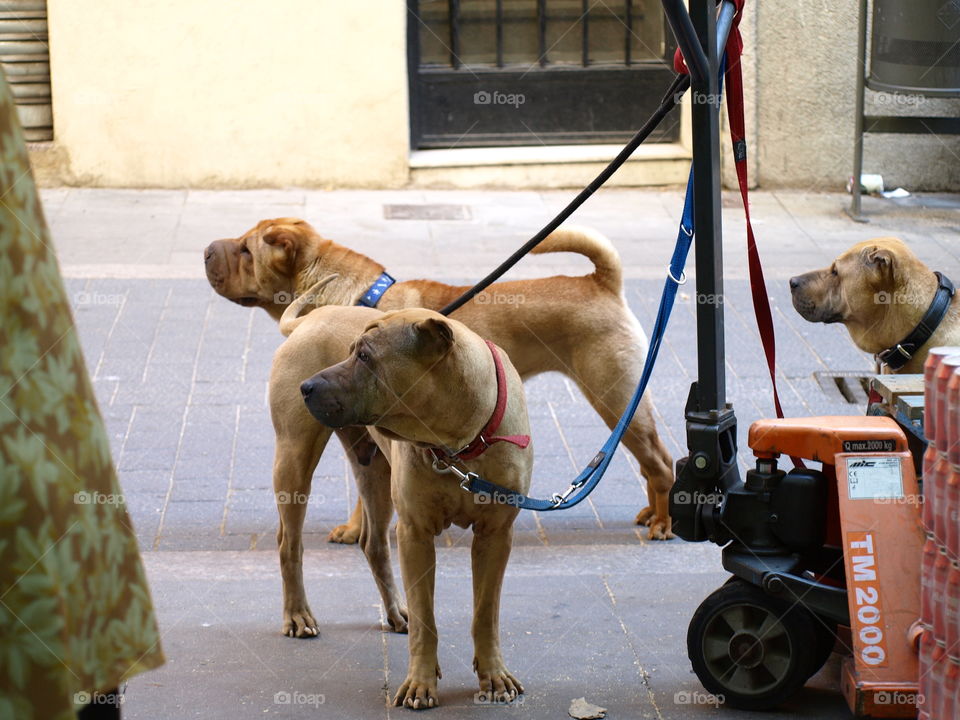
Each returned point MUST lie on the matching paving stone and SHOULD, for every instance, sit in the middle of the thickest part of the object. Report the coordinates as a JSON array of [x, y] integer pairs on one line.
[[209, 488], [142, 482]]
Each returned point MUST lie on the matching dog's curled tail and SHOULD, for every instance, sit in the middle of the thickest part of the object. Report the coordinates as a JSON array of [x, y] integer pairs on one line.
[[593, 245], [291, 316]]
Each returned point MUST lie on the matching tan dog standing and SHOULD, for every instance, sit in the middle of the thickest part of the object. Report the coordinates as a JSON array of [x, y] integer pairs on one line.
[[579, 326], [426, 382], [880, 290]]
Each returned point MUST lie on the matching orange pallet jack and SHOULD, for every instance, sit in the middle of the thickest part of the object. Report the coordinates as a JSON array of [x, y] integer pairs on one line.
[[810, 550]]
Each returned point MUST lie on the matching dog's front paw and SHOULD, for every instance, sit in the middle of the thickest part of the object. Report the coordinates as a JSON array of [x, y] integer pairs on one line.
[[497, 684], [300, 623], [346, 534], [418, 693], [397, 619], [658, 527]]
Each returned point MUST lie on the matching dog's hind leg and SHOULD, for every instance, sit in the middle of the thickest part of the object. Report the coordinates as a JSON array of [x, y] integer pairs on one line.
[[656, 465], [296, 457], [608, 380], [372, 472], [349, 532]]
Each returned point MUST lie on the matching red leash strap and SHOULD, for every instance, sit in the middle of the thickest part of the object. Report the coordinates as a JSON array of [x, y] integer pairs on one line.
[[758, 286]]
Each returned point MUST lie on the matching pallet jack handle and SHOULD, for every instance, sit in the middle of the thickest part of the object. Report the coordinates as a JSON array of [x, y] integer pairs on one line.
[[711, 424], [688, 40]]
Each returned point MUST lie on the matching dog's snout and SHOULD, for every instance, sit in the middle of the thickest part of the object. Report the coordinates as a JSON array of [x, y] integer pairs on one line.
[[307, 387], [326, 402], [795, 282]]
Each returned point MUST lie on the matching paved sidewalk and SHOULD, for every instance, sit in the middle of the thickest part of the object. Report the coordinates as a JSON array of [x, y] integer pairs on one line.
[[590, 606]]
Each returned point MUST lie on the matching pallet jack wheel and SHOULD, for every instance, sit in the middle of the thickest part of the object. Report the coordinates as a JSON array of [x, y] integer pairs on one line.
[[750, 648]]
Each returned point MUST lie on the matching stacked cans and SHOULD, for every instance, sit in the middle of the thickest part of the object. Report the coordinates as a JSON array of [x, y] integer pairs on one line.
[[940, 578]]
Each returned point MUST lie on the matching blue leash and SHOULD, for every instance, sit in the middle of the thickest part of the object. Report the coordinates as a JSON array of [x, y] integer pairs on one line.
[[591, 475]]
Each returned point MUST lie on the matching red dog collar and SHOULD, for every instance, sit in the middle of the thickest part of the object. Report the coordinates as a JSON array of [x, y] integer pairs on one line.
[[486, 438]]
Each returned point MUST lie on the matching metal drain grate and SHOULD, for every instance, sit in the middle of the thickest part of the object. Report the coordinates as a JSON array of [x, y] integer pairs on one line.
[[427, 212], [852, 386]]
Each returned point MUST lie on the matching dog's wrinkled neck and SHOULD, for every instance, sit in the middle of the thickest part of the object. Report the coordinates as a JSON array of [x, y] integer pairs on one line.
[[356, 273], [901, 311], [453, 422]]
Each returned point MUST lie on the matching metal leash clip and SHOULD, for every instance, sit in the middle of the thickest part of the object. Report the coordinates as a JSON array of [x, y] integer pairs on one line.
[[560, 498], [465, 477], [442, 467]]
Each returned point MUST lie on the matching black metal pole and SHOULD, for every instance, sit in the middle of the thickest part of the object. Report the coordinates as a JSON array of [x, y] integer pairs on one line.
[[687, 38], [711, 423], [705, 112]]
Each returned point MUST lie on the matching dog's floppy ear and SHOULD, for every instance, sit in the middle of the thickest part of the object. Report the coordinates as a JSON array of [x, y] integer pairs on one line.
[[880, 258], [435, 333], [280, 236]]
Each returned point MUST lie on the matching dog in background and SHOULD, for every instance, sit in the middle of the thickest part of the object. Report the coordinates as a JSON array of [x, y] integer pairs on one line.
[[316, 341], [881, 291]]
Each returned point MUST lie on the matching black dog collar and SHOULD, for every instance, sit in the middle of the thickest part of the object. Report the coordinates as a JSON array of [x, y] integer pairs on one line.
[[896, 357]]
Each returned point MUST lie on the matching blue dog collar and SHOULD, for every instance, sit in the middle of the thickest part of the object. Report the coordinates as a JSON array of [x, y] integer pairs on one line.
[[372, 296]]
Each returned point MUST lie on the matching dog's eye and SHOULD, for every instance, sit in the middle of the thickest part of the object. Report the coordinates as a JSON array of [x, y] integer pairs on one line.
[[244, 250], [362, 356], [833, 270]]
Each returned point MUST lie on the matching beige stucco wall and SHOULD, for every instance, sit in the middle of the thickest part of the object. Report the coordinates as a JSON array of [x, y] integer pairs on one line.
[[173, 93], [805, 98]]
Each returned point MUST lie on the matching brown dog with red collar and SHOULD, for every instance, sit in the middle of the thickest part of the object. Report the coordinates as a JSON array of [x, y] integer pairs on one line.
[[434, 391]]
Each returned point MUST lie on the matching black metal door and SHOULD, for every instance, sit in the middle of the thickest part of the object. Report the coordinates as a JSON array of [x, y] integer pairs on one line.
[[532, 72]]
